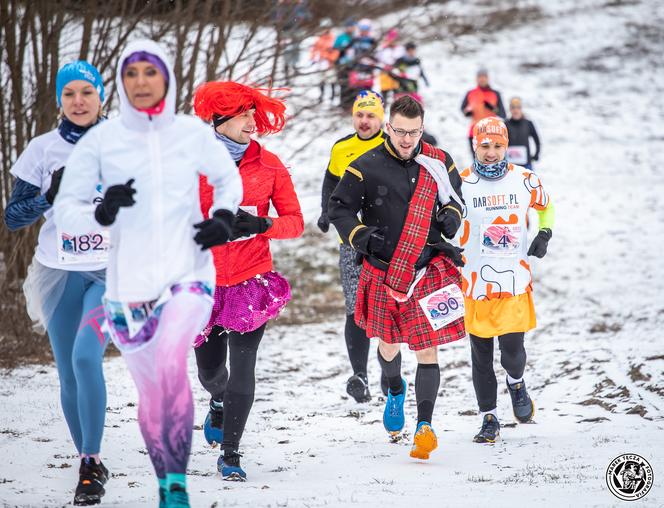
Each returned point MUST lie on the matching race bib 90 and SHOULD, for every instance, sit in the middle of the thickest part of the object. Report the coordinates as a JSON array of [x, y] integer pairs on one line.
[[500, 240], [83, 249], [443, 306]]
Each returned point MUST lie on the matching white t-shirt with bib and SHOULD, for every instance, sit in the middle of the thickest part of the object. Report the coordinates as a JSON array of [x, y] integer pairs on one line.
[[43, 156], [494, 232]]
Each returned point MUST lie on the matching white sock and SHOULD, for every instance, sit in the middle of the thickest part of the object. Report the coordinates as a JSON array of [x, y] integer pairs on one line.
[[513, 381], [493, 412]]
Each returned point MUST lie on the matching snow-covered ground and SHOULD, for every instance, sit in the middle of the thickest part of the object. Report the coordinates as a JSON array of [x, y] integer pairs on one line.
[[589, 79]]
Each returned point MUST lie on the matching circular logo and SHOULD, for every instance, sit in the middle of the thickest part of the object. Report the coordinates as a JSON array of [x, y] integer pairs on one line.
[[629, 477]]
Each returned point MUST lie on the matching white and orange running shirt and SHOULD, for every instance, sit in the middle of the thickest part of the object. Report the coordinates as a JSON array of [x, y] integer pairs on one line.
[[494, 232]]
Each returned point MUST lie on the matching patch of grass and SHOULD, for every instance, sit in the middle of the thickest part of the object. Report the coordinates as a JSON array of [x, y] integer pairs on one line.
[[479, 479]]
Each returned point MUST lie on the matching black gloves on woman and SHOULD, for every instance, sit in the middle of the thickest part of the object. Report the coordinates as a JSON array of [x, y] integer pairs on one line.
[[116, 196], [214, 231], [52, 191]]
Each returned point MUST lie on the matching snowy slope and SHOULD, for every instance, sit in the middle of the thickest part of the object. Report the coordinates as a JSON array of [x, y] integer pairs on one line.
[[588, 76]]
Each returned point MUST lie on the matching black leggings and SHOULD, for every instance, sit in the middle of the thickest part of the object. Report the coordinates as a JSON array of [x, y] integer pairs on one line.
[[236, 389], [512, 358], [357, 345]]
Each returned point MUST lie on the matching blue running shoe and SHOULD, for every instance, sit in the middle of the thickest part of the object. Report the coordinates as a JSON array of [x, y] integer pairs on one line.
[[213, 428], [522, 404], [490, 430], [177, 497], [228, 465], [393, 417]]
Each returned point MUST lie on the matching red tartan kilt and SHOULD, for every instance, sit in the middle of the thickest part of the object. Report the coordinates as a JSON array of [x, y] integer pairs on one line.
[[404, 322]]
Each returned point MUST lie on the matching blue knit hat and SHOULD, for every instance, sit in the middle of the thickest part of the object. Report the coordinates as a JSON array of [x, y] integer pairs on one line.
[[75, 71]]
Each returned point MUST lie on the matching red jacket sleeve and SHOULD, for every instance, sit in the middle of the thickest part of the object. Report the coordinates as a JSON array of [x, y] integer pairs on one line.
[[206, 193], [290, 223]]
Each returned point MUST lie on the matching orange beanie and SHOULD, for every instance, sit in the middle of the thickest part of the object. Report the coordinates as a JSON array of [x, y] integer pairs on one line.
[[490, 130]]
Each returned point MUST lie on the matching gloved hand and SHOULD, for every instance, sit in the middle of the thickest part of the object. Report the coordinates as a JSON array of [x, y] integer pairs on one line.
[[450, 251], [536, 157], [376, 242], [246, 224], [540, 243], [116, 196], [449, 221], [214, 231], [323, 222], [52, 191]]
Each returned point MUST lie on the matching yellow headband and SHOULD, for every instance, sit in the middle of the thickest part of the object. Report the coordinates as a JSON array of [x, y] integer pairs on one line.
[[370, 102]]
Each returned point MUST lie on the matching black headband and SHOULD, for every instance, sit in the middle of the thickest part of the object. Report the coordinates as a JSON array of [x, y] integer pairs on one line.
[[218, 120]]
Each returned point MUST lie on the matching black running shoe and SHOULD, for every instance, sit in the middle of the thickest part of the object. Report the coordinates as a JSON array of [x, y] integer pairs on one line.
[[490, 430], [522, 404], [92, 478], [228, 464], [357, 387]]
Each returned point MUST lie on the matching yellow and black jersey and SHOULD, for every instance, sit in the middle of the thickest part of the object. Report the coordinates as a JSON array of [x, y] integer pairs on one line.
[[345, 151], [349, 148]]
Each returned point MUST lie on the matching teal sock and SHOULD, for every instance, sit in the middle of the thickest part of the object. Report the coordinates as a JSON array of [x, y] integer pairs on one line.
[[179, 478], [163, 484]]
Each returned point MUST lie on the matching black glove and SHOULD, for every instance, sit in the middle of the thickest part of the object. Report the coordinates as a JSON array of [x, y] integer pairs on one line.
[[489, 106], [214, 231], [450, 251], [56, 178], [449, 221], [246, 224], [323, 222], [540, 243], [536, 157], [115, 197], [376, 242]]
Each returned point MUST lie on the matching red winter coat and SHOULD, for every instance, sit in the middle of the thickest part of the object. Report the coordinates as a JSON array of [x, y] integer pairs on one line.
[[264, 179]]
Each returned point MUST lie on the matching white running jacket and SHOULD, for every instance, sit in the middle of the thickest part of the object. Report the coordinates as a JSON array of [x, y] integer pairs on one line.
[[152, 243]]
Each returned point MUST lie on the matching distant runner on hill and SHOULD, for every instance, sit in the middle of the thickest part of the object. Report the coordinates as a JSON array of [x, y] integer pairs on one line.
[[481, 102], [520, 130]]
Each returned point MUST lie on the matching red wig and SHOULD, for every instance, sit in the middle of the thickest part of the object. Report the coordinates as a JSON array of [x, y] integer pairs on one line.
[[222, 100]]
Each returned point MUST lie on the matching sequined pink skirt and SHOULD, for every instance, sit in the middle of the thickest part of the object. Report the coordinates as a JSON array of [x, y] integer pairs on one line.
[[248, 305]]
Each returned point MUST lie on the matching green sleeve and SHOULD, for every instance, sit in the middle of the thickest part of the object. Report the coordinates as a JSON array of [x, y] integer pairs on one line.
[[547, 216]]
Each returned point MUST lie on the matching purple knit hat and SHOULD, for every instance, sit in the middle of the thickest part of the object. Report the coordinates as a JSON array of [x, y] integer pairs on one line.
[[144, 56]]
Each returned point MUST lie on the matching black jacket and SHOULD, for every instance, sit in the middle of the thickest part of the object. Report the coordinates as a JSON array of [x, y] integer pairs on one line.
[[380, 185], [519, 132]]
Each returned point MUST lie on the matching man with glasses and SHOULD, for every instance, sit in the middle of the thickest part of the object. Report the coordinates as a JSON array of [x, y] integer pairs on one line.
[[520, 130], [368, 116], [409, 196]]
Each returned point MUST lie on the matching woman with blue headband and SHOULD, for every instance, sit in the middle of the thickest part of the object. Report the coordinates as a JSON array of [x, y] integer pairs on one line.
[[65, 281]]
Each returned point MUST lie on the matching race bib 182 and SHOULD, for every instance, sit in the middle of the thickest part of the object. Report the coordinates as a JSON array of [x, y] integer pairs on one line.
[[443, 306], [79, 249]]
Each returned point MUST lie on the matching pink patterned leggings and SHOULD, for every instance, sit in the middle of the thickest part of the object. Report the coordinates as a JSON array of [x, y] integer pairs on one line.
[[165, 406]]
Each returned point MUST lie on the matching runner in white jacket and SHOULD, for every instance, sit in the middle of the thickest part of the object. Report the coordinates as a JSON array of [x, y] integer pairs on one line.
[[159, 281]]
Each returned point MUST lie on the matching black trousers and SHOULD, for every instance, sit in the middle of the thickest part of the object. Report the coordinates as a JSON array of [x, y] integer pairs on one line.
[[235, 389], [512, 358]]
